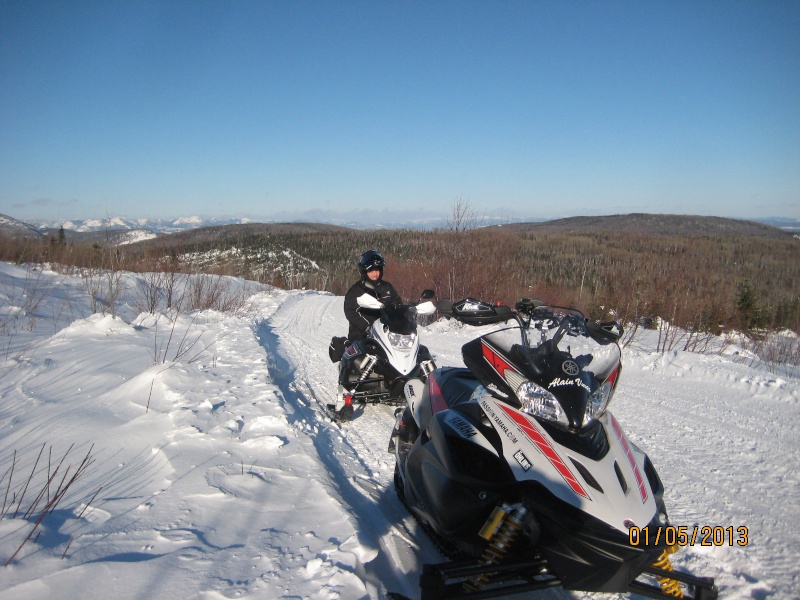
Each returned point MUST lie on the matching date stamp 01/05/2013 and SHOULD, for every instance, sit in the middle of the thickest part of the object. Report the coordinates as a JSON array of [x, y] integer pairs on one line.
[[700, 535]]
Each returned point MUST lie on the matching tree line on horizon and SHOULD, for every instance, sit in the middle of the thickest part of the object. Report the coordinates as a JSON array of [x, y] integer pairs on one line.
[[705, 284]]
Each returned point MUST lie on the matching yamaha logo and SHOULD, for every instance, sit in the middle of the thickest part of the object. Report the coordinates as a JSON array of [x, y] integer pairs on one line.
[[570, 367]]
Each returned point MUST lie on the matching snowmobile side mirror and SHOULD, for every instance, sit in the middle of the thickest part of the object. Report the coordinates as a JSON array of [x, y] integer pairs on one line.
[[367, 301], [427, 294]]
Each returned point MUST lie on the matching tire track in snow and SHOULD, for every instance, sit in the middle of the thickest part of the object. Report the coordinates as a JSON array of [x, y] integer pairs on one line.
[[703, 483], [296, 338]]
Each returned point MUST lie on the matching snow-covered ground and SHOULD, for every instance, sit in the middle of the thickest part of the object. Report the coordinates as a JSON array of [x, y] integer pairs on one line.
[[213, 471]]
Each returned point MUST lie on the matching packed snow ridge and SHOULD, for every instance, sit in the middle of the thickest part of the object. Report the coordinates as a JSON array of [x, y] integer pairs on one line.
[[214, 472]]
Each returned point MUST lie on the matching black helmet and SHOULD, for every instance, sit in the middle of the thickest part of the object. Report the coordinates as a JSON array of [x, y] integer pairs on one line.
[[371, 259]]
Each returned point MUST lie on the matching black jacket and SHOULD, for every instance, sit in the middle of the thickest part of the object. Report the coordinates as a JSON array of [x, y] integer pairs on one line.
[[361, 318]]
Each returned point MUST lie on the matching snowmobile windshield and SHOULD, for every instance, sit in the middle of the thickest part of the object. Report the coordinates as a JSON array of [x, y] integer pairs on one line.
[[400, 319], [556, 331], [549, 366]]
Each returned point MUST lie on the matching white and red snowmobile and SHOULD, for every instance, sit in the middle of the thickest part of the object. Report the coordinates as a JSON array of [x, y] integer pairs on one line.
[[377, 368], [519, 472]]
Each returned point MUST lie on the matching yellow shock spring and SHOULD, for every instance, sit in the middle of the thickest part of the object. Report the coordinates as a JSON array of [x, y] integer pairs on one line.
[[498, 547], [669, 586]]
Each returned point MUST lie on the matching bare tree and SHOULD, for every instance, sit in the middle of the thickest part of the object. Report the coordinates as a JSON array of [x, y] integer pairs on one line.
[[463, 217]]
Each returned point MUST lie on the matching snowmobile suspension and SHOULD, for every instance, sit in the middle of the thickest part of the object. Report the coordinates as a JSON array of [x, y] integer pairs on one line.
[[670, 586], [368, 367], [502, 528]]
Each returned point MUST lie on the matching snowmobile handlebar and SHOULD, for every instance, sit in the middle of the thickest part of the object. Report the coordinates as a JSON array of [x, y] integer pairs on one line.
[[527, 310], [423, 308]]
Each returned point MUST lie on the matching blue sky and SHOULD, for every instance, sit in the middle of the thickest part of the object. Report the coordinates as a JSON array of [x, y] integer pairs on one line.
[[308, 108]]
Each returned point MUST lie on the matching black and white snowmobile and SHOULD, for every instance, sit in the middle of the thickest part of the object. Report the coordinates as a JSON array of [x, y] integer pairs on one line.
[[519, 472], [377, 368]]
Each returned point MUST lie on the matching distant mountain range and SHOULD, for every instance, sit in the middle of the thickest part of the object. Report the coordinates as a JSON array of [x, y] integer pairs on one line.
[[120, 230], [369, 219], [153, 225], [148, 228]]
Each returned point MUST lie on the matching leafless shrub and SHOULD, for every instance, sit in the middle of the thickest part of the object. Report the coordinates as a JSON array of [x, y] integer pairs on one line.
[[33, 498], [114, 287], [187, 342], [172, 281], [23, 302], [150, 290], [669, 336], [92, 285], [699, 341], [204, 291], [779, 352], [214, 292], [629, 334]]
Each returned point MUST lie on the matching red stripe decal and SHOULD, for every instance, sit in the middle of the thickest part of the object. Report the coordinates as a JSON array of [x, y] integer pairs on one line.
[[494, 359], [629, 453], [544, 446], [438, 403]]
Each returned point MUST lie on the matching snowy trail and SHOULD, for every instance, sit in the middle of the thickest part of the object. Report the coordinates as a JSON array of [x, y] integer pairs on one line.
[[354, 451]]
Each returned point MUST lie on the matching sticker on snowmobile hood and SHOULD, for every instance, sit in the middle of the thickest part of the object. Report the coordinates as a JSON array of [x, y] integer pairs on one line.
[[499, 423], [558, 382], [466, 430], [570, 367], [523, 460], [461, 425], [545, 444]]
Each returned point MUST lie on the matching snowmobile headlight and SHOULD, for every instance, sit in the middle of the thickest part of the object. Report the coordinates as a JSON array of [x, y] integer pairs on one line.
[[597, 403], [538, 402], [402, 342]]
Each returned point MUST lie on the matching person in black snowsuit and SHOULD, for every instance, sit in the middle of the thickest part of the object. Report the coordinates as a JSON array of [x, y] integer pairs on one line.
[[360, 319], [370, 265]]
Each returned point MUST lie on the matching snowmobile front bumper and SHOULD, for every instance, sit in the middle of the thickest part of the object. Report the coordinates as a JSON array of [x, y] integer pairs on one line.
[[446, 580]]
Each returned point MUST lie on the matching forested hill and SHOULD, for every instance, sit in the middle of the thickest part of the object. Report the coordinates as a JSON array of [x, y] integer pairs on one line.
[[233, 232], [701, 273], [648, 224]]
